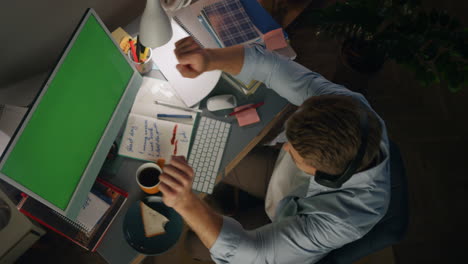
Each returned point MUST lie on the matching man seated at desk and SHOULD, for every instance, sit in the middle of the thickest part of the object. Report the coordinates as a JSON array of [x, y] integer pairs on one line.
[[308, 220]]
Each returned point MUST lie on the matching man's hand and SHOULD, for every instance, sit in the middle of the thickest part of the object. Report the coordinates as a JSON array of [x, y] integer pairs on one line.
[[193, 59], [176, 186], [176, 183]]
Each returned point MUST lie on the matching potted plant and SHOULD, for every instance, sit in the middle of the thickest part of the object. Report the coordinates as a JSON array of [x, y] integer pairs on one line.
[[432, 44]]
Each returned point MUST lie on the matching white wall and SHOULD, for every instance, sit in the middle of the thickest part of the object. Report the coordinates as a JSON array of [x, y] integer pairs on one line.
[[4, 138], [34, 32]]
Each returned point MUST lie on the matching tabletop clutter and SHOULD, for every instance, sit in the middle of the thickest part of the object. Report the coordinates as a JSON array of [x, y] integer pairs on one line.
[[164, 121], [139, 53], [159, 130]]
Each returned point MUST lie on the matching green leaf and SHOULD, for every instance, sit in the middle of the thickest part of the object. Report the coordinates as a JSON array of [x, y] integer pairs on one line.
[[430, 51], [454, 89]]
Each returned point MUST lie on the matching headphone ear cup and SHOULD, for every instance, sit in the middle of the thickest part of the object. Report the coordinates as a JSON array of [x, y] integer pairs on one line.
[[327, 180]]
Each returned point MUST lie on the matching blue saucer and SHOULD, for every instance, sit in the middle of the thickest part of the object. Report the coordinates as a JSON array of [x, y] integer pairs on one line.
[[135, 234]]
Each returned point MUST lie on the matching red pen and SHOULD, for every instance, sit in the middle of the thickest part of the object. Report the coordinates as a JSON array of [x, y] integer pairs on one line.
[[257, 105], [134, 55]]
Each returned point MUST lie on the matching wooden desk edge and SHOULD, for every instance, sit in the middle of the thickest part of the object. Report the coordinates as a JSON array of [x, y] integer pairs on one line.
[[278, 117], [138, 259]]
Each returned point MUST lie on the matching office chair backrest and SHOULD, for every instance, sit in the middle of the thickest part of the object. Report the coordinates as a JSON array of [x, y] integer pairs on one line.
[[390, 229]]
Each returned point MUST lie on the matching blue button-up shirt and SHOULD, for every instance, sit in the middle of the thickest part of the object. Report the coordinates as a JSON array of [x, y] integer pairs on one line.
[[306, 227]]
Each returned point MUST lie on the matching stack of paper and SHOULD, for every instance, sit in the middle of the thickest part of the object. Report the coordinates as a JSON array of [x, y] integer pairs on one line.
[[224, 23]]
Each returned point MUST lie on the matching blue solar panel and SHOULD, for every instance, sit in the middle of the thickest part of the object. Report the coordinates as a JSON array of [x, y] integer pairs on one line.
[[230, 22]]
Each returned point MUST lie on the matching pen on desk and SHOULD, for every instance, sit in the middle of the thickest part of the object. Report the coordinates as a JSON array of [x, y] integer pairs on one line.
[[173, 116], [247, 108], [132, 47], [178, 107]]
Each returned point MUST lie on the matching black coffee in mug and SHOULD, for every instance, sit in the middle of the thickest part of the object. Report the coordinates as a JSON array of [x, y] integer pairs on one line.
[[149, 177]]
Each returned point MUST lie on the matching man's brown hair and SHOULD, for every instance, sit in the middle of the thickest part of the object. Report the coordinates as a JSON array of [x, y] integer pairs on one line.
[[326, 132]]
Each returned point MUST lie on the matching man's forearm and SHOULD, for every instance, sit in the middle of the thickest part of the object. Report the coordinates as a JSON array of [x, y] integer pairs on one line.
[[202, 219], [229, 59]]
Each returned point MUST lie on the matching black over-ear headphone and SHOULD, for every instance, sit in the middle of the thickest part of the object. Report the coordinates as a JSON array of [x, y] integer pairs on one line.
[[335, 181]]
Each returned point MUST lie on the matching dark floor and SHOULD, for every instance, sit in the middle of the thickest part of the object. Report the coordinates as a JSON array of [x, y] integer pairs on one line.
[[55, 249], [429, 125]]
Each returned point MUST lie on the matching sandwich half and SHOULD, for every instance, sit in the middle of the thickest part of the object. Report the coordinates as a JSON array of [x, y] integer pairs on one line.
[[153, 222]]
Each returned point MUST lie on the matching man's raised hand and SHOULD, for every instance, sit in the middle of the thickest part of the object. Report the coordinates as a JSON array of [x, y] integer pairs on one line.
[[193, 59]]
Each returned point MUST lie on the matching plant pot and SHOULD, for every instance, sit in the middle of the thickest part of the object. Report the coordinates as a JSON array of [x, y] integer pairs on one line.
[[362, 56]]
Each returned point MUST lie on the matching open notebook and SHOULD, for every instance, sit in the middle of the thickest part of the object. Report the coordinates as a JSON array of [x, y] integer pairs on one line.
[[148, 138]]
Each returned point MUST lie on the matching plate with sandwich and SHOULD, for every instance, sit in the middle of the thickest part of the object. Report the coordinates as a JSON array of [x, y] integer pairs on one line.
[[150, 227]]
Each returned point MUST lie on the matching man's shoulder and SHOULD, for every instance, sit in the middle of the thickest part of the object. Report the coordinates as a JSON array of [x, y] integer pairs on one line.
[[361, 203]]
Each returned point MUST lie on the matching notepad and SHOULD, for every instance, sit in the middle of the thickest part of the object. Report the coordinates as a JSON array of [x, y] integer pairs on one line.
[[149, 139], [230, 22], [259, 16], [92, 211], [247, 117]]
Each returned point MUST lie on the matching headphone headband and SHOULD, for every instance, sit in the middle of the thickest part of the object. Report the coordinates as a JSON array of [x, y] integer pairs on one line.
[[336, 181]]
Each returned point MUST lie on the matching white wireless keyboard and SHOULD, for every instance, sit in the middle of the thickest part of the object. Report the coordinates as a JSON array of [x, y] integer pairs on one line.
[[207, 152]]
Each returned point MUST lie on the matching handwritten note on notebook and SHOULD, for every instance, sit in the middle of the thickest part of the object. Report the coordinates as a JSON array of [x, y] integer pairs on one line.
[[149, 139]]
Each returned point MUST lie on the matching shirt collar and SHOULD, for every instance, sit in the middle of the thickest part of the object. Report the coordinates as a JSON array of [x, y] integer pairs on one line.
[[361, 179]]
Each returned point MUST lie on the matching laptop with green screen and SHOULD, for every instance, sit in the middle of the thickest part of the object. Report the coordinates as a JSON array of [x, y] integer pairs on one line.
[[61, 144]]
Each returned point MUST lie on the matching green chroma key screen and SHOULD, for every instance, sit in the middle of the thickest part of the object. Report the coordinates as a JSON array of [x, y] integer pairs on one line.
[[55, 146]]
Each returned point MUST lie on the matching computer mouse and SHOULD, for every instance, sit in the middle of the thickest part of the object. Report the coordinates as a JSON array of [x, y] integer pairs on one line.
[[221, 102]]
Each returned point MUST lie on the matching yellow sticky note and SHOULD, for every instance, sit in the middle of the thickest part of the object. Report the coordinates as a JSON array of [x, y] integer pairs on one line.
[[119, 34]]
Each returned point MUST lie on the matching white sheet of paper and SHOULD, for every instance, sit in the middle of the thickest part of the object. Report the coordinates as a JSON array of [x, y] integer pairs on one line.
[[149, 139], [158, 90], [153, 89], [191, 91]]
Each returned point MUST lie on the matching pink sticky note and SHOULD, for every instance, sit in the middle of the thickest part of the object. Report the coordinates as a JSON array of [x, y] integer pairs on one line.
[[247, 117], [275, 39]]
